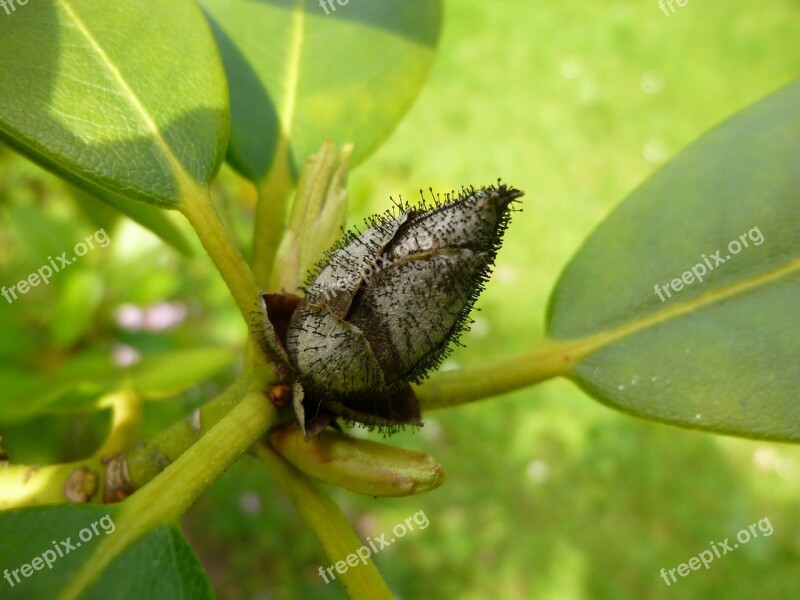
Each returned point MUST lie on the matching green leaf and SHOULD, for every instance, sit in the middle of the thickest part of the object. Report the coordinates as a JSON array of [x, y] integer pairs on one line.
[[32, 392], [76, 307], [720, 354], [17, 341], [15, 383], [159, 565], [348, 76], [40, 235], [149, 217], [128, 101], [175, 371]]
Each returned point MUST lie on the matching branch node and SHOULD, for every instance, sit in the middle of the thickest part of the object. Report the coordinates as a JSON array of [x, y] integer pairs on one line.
[[118, 481], [81, 485]]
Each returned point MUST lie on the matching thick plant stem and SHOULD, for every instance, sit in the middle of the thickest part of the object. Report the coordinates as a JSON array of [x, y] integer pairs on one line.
[[177, 487], [147, 459], [323, 516], [204, 218]]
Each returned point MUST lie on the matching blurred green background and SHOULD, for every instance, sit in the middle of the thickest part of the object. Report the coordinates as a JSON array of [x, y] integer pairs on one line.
[[549, 495]]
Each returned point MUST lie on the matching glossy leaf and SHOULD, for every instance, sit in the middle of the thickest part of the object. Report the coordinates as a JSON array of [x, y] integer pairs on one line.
[[348, 76], [720, 352], [126, 100], [159, 565]]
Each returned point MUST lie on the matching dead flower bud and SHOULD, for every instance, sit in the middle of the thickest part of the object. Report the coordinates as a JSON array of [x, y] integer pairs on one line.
[[384, 306]]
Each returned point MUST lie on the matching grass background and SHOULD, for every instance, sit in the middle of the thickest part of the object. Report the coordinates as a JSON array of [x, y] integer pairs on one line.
[[549, 495]]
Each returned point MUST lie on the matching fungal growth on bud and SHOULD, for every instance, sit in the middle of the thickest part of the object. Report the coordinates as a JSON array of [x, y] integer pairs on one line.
[[384, 307]]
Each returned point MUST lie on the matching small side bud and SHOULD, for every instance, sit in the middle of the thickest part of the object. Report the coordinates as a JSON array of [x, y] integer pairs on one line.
[[358, 465]]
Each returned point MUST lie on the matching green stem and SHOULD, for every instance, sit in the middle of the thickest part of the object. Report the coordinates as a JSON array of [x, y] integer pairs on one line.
[[30, 485], [323, 516], [273, 198], [178, 486], [147, 459], [452, 388], [204, 218], [126, 422]]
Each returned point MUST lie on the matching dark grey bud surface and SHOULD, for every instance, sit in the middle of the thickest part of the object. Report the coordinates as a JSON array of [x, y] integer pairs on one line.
[[386, 304]]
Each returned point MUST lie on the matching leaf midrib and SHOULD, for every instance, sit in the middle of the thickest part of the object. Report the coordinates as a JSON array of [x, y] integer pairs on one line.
[[185, 181], [292, 75], [588, 345]]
